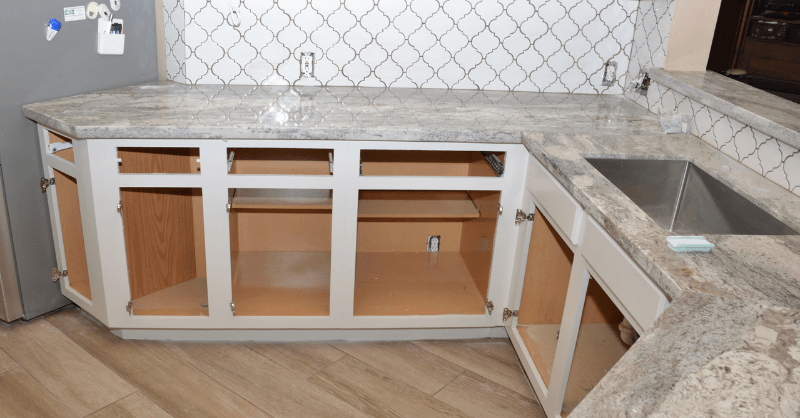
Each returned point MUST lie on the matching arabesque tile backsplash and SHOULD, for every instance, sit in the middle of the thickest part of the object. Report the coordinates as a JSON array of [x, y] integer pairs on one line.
[[518, 45]]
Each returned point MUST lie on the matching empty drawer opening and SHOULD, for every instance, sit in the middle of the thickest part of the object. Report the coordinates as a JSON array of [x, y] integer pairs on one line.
[[137, 160], [285, 161], [432, 163], [424, 252], [60, 146]]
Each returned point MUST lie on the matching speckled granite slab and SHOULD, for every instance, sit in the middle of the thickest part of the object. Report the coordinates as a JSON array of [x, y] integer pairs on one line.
[[728, 344], [172, 110], [766, 112]]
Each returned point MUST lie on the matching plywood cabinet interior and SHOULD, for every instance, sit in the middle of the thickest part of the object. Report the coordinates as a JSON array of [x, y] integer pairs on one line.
[[69, 212], [281, 252], [135, 160], [67, 154], [427, 163], [292, 161], [165, 250], [395, 272]]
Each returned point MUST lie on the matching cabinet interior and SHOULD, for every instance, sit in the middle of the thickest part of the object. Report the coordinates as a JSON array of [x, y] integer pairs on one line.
[[69, 213], [429, 163], [165, 247], [544, 294], [281, 251], [139, 160], [395, 273], [598, 348], [286, 161]]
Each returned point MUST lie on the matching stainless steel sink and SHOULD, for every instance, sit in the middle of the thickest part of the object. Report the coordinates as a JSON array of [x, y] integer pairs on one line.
[[686, 200]]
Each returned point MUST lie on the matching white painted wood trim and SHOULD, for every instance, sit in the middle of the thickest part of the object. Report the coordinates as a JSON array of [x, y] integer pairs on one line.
[[298, 335]]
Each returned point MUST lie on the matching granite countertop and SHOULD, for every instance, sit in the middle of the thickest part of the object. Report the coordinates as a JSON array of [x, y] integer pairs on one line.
[[729, 343], [172, 110]]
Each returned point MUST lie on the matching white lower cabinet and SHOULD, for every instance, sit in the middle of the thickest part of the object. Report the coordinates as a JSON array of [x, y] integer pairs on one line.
[[304, 240], [208, 236], [576, 293]]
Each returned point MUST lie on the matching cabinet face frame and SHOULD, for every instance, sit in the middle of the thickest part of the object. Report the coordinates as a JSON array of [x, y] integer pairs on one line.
[[345, 182]]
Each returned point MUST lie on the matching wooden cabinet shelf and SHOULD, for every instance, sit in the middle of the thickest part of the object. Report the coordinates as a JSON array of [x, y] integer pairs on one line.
[[281, 199], [378, 205]]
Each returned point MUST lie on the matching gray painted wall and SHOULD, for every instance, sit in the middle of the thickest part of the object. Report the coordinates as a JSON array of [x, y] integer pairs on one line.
[[33, 70]]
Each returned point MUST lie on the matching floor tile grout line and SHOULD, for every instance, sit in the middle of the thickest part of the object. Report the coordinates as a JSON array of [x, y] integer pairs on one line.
[[488, 378], [308, 379], [249, 343], [46, 317], [138, 389], [337, 360], [449, 383], [28, 372], [167, 349]]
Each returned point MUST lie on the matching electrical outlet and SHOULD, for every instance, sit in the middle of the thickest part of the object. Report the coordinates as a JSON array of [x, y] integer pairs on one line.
[[306, 64], [640, 84], [433, 243], [610, 74]]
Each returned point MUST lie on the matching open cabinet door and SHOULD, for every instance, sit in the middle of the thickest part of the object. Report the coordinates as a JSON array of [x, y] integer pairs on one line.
[[534, 324], [61, 185], [564, 323]]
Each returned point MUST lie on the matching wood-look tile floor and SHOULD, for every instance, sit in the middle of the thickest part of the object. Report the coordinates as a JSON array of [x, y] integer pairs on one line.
[[66, 365]]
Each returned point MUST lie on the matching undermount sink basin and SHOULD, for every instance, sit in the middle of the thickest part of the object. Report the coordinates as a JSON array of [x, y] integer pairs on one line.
[[685, 200]]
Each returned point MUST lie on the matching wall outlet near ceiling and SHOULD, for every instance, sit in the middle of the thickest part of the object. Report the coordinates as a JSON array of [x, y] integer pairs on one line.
[[306, 65], [433, 243]]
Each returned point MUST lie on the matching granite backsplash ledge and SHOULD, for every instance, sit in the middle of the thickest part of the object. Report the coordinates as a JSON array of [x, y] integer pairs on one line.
[[758, 129]]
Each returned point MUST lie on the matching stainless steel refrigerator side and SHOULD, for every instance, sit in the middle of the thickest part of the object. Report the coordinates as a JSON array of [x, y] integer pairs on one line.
[[10, 301]]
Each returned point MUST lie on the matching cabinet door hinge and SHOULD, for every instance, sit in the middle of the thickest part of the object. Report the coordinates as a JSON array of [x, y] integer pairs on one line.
[[522, 217], [228, 207], [119, 207], [508, 313], [129, 307], [489, 306], [45, 182], [233, 308], [499, 210], [58, 274]]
